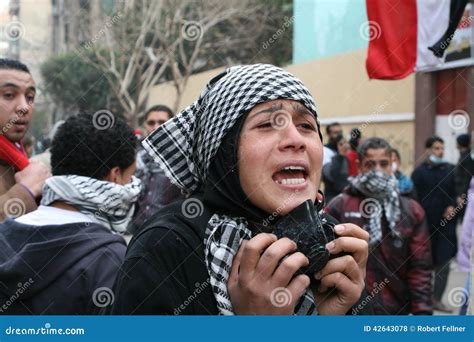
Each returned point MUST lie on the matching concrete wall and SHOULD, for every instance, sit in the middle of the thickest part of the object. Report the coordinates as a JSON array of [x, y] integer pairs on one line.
[[342, 92]]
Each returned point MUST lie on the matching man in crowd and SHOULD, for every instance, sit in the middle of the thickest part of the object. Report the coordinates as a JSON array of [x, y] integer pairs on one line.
[[336, 172], [464, 170], [404, 183], [333, 133], [65, 255], [21, 181], [435, 190], [157, 189], [399, 268]]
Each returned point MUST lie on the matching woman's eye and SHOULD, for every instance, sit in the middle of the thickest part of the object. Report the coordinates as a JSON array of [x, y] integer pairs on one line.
[[8, 96], [265, 125], [308, 126], [30, 99]]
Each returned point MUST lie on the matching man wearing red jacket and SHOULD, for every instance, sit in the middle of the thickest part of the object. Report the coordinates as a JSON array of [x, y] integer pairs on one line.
[[21, 182], [400, 263]]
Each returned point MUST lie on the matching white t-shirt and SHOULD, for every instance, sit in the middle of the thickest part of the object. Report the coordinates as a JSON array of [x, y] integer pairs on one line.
[[328, 154], [44, 216]]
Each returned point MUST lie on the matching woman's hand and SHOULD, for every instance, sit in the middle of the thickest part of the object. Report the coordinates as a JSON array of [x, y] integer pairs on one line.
[[343, 278], [262, 278]]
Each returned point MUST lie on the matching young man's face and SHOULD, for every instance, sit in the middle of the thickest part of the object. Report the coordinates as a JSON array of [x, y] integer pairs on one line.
[[155, 120], [17, 95], [376, 159], [335, 131], [437, 149]]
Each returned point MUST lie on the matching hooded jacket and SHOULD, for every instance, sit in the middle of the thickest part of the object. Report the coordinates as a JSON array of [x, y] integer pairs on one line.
[[398, 269], [57, 269]]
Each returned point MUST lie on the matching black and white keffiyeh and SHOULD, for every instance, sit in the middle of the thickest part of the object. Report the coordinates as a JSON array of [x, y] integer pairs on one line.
[[106, 203], [186, 145], [223, 238], [382, 197]]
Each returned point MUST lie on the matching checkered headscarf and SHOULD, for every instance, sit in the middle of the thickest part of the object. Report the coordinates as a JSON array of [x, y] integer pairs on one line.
[[185, 145]]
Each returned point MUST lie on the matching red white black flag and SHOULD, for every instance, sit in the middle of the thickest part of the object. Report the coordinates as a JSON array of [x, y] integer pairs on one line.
[[409, 35]]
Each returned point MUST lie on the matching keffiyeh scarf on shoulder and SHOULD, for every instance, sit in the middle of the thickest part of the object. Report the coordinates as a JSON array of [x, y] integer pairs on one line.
[[106, 203], [186, 145], [382, 197]]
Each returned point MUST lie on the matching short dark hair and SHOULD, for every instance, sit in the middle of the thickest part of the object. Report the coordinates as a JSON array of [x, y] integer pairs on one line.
[[374, 143], [395, 152], [431, 140], [11, 64], [80, 148], [158, 108], [331, 125], [355, 137]]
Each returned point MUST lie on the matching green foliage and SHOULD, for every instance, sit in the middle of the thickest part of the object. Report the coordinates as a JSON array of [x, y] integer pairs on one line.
[[75, 85]]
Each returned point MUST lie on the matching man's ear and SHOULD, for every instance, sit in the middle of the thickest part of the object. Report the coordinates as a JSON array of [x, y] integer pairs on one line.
[[114, 175]]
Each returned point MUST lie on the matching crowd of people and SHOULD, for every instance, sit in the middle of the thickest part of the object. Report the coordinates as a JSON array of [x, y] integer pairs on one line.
[[429, 205], [200, 196]]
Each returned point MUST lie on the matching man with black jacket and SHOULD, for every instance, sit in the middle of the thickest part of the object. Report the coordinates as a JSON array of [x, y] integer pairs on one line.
[[62, 258]]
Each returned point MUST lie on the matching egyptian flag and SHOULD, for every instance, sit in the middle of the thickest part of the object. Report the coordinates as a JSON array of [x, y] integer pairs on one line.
[[409, 35]]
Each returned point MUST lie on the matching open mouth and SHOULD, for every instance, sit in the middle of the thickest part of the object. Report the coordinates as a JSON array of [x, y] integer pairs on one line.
[[291, 175]]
